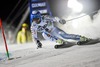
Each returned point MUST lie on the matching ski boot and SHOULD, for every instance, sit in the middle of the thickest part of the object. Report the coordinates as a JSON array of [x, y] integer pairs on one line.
[[61, 43], [83, 40]]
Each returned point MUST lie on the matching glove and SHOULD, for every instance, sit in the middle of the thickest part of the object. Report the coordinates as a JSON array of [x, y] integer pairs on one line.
[[62, 21], [39, 44]]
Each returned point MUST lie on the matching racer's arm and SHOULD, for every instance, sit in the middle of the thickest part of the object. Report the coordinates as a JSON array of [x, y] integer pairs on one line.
[[34, 34], [62, 21], [55, 19]]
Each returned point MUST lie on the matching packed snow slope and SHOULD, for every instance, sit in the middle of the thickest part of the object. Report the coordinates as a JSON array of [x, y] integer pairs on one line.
[[26, 55], [76, 56]]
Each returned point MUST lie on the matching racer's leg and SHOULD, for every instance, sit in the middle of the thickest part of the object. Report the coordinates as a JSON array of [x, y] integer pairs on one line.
[[50, 37], [74, 37], [58, 32]]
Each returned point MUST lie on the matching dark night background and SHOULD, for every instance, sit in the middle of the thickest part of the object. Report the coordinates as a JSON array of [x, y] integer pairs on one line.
[[13, 10], [6, 7]]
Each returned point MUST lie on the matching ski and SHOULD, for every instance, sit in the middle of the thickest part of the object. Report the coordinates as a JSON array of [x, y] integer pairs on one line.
[[90, 42], [69, 44]]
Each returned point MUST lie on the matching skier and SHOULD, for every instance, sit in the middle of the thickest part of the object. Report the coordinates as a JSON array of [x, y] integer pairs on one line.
[[45, 25]]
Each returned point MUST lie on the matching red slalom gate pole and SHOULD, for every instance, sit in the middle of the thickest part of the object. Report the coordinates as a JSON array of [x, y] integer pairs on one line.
[[4, 39]]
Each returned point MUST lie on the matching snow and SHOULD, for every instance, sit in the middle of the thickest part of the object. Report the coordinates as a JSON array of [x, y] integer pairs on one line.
[[26, 55], [75, 56]]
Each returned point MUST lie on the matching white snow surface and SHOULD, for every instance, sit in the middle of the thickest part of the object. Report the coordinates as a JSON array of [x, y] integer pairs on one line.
[[26, 55], [75, 56]]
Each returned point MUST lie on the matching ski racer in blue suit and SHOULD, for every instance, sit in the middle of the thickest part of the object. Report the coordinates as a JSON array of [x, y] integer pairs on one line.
[[45, 25]]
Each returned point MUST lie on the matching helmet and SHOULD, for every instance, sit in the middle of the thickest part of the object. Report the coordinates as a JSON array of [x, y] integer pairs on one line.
[[35, 14], [24, 25]]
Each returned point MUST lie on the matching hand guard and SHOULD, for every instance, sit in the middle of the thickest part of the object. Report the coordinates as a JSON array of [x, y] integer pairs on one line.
[[62, 21], [39, 44]]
